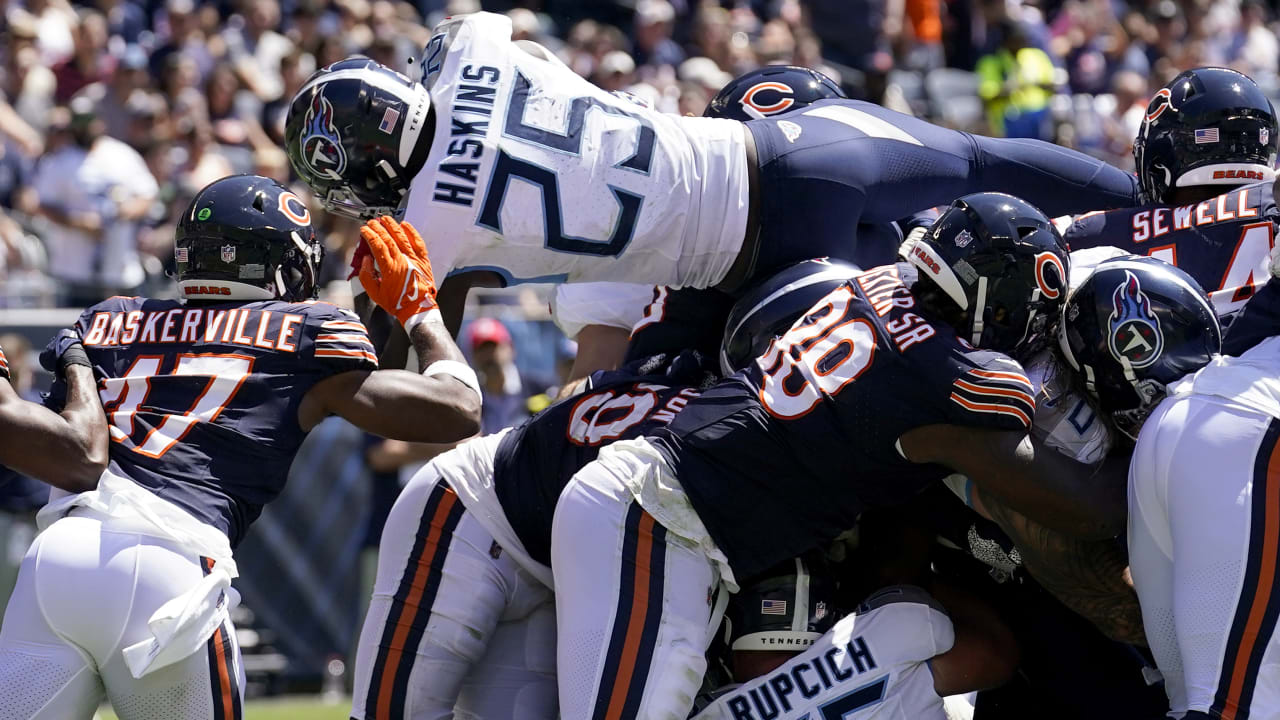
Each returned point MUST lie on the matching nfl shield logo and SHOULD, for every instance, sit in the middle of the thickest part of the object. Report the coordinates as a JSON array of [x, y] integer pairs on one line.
[[1264, 135], [963, 238], [228, 253]]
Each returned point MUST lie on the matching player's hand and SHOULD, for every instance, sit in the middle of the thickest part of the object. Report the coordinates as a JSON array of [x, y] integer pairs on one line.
[[397, 273], [63, 350]]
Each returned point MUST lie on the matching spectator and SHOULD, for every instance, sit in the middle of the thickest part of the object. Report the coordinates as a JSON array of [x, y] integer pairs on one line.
[[90, 63], [255, 48], [653, 25], [92, 190], [1016, 82], [506, 389], [615, 72]]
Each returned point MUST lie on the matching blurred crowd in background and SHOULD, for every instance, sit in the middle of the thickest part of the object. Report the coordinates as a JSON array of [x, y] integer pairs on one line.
[[114, 112]]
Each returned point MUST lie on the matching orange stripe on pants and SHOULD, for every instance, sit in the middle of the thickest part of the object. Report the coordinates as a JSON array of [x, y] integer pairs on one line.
[[224, 679], [635, 626], [1262, 594], [423, 566]]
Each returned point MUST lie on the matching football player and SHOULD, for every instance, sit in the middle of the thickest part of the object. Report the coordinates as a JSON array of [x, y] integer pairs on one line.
[[896, 655], [66, 449], [782, 457], [461, 617], [1209, 131], [125, 593], [695, 317], [522, 170], [474, 528], [1207, 451]]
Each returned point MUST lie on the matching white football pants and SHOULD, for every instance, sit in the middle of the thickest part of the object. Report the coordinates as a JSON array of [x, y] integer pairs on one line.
[[83, 595], [1204, 550], [456, 628]]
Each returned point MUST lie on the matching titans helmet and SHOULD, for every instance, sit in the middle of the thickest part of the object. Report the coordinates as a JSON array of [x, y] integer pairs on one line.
[[247, 237], [1209, 126], [1132, 327], [771, 307], [995, 268], [771, 90], [786, 608], [355, 134]]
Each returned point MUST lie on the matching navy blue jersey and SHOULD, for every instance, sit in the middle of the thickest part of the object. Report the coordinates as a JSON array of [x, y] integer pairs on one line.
[[1257, 321], [784, 455], [535, 461], [686, 318], [828, 169], [202, 401], [691, 318], [1223, 242]]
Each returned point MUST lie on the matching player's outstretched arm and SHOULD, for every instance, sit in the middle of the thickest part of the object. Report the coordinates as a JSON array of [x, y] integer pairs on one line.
[[68, 450], [436, 407], [985, 654], [1044, 485], [442, 404], [1089, 576]]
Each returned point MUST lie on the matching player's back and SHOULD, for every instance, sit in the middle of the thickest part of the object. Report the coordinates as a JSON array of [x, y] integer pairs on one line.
[[1224, 242], [202, 399], [536, 460], [786, 453], [535, 173], [872, 665]]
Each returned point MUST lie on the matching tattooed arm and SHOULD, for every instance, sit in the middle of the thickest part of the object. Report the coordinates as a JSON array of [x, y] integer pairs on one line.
[[1089, 576]]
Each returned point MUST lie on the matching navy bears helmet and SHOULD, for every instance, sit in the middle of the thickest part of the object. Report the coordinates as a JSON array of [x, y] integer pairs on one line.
[[995, 268], [356, 133], [247, 237], [771, 90], [1132, 327], [771, 307], [1209, 126]]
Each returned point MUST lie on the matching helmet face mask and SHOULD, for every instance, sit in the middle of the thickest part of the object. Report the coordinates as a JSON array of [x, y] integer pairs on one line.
[[357, 133], [247, 237], [995, 268], [1209, 126]]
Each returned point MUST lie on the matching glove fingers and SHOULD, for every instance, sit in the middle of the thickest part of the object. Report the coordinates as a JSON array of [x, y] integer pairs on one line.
[[370, 280], [397, 234], [419, 249]]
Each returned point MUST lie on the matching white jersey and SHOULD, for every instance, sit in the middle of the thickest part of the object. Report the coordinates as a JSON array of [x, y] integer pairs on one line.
[[538, 175], [616, 305], [871, 666]]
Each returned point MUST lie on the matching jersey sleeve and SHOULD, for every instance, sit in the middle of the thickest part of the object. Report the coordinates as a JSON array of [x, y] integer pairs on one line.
[[574, 306], [991, 391], [918, 624], [342, 343]]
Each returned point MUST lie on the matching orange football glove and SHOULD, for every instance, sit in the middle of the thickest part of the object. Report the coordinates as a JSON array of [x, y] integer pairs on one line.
[[397, 272]]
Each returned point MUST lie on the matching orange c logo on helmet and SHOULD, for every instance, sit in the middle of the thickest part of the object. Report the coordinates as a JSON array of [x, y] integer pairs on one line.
[[1161, 101], [302, 218], [1051, 284], [749, 98]]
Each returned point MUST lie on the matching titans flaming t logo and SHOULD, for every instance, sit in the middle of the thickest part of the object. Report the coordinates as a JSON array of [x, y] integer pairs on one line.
[[321, 145], [1135, 330]]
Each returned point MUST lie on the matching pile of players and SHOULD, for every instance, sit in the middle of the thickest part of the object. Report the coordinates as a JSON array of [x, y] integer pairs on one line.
[[867, 456]]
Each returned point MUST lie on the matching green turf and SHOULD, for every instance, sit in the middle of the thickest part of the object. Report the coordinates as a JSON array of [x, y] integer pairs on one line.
[[280, 710]]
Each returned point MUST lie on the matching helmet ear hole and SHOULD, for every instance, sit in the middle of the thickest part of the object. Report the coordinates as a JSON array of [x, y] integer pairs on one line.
[[259, 201]]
